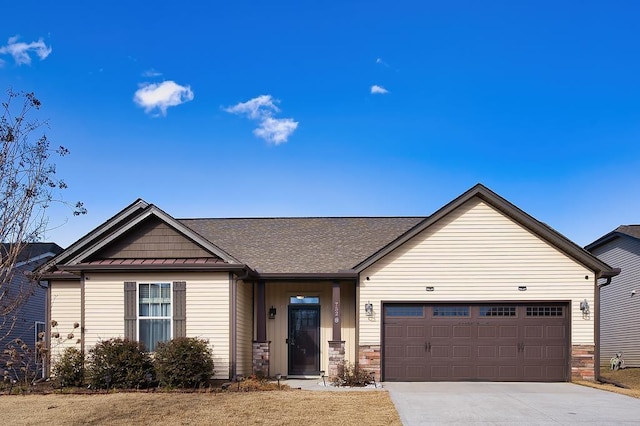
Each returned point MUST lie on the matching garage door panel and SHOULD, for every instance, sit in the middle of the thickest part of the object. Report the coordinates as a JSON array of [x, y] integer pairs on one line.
[[555, 332], [440, 331], [487, 352], [462, 331], [497, 342], [440, 372], [462, 372], [555, 352], [415, 351], [508, 332], [533, 352], [487, 331], [534, 331], [393, 331], [415, 331], [462, 352], [440, 351], [393, 351], [486, 372], [507, 352], [508, 372]]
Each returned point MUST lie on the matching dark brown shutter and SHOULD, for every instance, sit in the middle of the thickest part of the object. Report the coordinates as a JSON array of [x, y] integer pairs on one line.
[[179, 309], [130, 302]]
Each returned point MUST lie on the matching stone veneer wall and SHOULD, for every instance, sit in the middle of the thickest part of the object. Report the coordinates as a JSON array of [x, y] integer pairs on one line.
[[369, 358], [261, 358], [583, 362], [336, 356]]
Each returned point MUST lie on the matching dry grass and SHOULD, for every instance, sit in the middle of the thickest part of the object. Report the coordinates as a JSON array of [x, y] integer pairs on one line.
[[247, 408], [629, 377]]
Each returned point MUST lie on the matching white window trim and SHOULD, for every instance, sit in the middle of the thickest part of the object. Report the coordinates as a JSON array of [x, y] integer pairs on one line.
[[169, 317]]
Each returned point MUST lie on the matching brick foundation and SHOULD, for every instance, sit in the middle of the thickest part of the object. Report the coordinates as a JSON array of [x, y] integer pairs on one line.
[[369, 358], [261, 358], [336, 356], [583, 362]]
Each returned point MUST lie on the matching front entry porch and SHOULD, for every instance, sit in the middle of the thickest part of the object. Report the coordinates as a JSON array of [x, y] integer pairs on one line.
[[303, 328]]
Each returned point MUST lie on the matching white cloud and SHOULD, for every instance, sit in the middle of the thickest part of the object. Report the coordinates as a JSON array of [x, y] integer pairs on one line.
[[276, 130], [20, 50], [162, 96], [256, 108], [381, 62], [151, 73], [378, 90], [262, 108]]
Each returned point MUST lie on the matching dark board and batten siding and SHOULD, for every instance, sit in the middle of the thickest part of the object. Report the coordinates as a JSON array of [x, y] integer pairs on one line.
[[152, 239]]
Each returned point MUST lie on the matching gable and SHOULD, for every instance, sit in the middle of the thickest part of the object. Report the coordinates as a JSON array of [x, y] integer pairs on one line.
[[508, 210], [478, 244], [151, 239]]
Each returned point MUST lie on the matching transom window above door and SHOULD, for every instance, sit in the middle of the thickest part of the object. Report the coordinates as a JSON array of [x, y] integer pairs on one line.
[[304, 299]]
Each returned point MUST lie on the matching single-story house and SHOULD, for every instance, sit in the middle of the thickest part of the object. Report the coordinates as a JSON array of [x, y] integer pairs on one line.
[[479, 290], [620, 303], [23, 301]]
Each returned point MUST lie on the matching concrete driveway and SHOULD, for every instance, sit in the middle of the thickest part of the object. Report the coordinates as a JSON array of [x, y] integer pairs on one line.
[[510, 403]]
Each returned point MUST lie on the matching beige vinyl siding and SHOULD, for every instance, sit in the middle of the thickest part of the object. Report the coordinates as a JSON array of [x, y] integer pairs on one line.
[[619, 310], [278, 294], [207, 297], [208, 316], [104, 307], [476, 254], [244, 328], [65, 309]]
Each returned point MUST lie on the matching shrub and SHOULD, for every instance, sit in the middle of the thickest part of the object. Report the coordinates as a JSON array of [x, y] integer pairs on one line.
[[184, 362], [69, 369], [118, 363], [351, 375]]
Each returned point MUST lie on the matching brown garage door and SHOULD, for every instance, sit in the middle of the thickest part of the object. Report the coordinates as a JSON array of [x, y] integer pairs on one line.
[[485, 342]]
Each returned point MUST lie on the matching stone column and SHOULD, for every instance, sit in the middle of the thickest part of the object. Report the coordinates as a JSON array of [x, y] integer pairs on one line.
[[261, 358], [583, 362], [369, 359], [336, 356]]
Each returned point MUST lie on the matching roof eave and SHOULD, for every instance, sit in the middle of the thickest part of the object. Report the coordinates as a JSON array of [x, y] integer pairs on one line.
[[153, 267], [308, 276]]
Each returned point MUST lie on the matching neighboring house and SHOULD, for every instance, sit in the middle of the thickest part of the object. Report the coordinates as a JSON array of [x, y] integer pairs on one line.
[[28, 320], [477, 291], [620, 303]]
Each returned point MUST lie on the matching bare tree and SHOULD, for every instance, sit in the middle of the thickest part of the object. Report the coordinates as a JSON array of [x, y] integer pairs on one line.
[[28, 186]]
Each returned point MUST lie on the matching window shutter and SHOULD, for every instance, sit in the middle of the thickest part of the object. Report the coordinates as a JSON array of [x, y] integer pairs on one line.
[[130, 320], [179, 309]]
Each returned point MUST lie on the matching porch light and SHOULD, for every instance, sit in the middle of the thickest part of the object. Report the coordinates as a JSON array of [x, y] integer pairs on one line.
[[272, 312], [584, 306], [368, 308]]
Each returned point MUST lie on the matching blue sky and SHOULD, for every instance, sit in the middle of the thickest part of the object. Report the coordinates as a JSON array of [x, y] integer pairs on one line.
[[243, 109]]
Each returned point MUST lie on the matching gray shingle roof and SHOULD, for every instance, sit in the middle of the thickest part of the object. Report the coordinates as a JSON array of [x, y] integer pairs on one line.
[[302, 245], [631, 230]]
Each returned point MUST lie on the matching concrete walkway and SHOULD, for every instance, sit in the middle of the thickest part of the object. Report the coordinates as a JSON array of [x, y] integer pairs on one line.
[[318, 385], [510, 403]]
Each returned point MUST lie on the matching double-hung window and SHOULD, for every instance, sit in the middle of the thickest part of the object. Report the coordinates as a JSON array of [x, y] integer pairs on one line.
[[154, 314]]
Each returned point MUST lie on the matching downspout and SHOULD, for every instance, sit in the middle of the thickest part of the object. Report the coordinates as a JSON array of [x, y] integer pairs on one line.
[[234, 319], [82, 312], [47, 337], [596, 352]]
